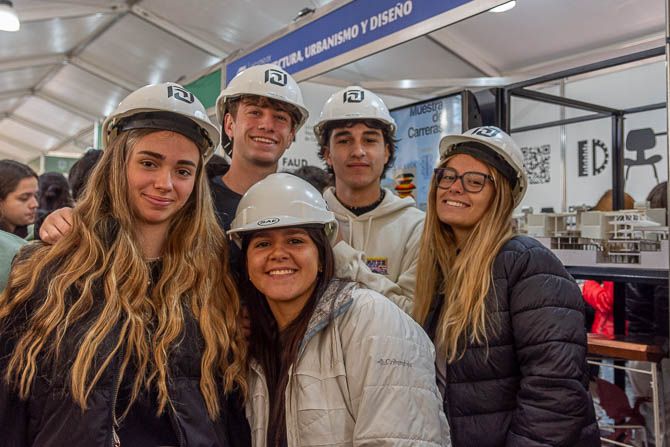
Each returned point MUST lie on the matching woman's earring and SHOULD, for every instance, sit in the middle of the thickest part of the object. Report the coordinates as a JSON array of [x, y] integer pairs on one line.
[[320, 269]]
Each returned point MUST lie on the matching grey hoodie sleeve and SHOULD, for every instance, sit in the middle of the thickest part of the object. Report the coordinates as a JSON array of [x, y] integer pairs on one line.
[[350, 264]]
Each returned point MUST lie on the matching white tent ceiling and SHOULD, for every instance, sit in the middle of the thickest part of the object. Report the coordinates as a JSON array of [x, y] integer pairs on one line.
[[73, 61]]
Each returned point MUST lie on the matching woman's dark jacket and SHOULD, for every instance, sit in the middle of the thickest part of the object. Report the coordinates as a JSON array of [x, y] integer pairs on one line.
[[529, 386], [49, 417]]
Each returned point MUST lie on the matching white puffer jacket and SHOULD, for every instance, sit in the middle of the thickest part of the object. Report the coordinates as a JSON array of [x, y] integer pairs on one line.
[[364, 376]]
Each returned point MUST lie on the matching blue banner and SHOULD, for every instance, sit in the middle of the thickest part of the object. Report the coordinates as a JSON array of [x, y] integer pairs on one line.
[[344, 29], [420, 129]]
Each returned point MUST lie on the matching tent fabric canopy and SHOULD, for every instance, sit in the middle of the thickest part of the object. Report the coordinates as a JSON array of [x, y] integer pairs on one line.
[[73, 61]]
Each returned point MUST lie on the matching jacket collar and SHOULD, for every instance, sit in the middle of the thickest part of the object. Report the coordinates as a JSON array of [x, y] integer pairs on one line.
[[336, 300]]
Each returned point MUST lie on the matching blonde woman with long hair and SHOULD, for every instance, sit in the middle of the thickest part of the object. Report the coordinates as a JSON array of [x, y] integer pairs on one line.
[[122, 333], [506, 318]]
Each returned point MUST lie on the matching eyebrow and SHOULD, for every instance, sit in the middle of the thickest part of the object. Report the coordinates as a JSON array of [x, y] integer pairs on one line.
[[290, 232], [345, 132], [162, 157]]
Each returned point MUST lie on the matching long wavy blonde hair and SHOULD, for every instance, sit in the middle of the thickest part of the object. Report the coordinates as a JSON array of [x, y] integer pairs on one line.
[[102, 254], [463, 278]]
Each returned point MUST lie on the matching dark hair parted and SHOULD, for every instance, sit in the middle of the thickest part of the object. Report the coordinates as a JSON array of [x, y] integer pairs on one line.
[[276, 351], [389, 138], [11, 173]]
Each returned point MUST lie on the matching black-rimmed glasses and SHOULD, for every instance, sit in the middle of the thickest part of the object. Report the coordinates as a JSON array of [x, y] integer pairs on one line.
[[471, 181]]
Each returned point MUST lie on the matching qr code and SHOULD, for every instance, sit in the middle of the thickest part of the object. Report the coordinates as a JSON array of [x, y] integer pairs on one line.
[[537, 161]]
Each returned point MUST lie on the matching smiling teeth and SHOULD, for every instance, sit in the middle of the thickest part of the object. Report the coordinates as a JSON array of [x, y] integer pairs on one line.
[[281, 272], [263, 140], [457, 204]]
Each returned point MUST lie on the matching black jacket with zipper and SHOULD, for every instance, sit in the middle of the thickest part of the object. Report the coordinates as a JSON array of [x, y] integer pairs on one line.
[[50, 418], [528, 387]]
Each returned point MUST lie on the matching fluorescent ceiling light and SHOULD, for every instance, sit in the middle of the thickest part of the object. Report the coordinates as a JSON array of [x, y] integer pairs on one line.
[[504, 7], [9, 21]]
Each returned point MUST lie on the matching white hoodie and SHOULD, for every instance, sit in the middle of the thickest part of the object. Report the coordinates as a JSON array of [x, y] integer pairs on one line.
[[381, 247]]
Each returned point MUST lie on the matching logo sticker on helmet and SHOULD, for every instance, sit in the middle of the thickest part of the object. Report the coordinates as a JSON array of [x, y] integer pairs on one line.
[[268, 221], [276, 77], [180, 94], [354, 96], [489, 132]]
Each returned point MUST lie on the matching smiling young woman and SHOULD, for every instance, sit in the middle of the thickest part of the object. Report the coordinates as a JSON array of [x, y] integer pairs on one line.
[[121, 333], [506, 318], [331, 363]]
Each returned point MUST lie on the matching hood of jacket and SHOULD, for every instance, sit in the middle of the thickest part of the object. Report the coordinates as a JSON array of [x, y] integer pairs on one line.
[[336, 300], [389, 205], [392, 205]]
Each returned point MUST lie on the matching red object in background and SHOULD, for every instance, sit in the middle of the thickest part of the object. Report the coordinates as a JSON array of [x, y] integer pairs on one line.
[[601, 298]]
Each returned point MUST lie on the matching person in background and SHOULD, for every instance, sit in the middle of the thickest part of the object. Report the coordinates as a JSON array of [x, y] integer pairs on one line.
[[315, 176], [217, 166], [599, 295], [54, 193], [121, 333], [605, 202], [505, 316], [331, 362], [380, 232], [81, 171], [18, 198], [658, 196]]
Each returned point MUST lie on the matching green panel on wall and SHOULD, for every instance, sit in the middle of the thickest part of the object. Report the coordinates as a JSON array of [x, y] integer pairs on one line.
[[58, 164], [207, 88]]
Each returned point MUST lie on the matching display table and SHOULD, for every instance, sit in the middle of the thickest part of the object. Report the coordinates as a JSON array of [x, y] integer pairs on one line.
[[625, 348], [632, 348]]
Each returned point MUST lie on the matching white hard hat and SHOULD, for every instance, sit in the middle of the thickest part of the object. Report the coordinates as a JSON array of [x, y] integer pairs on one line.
[[166, 106], [494, 147], [278, 201], [353, 103], [266, 80]]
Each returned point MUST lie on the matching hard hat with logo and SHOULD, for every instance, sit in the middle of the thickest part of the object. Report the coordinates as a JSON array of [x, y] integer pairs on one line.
[[166, 106], [494, 147], [278, 201], [353, 103], [266, 80]]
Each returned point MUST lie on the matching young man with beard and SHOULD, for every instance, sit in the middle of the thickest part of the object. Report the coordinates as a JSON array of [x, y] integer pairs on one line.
[[380, 231]]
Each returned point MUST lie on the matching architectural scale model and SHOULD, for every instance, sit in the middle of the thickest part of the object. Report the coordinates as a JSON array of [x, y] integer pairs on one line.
[[635, 238]]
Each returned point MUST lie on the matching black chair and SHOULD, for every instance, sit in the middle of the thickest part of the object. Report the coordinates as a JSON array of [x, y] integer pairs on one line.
[[639, 141]]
